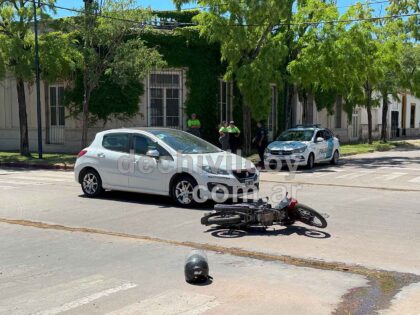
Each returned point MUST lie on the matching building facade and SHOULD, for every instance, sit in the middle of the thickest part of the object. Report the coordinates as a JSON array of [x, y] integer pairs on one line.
[[403, 118]]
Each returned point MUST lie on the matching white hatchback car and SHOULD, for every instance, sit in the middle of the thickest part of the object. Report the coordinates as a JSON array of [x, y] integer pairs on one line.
[[303, 146], [166, 162]]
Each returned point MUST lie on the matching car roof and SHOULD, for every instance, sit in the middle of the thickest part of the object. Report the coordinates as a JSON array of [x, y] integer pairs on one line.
[[305, 128], [131, 129]]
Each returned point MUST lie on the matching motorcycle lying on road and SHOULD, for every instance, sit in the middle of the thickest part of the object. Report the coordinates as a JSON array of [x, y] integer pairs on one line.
[[261, 213]]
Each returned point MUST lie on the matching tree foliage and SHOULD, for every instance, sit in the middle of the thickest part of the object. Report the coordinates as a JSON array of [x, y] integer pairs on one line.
[[57, 50], [113, 49], [109, 100]]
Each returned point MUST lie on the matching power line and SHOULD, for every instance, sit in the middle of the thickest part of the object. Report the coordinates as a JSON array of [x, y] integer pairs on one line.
[[378, 18], [367, 3]]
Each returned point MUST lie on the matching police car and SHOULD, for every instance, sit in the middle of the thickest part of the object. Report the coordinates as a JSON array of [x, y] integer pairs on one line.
[[302, 145]]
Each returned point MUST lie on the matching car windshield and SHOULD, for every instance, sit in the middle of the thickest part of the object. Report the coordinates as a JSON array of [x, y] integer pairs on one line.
[[296, 135], [184, 142]]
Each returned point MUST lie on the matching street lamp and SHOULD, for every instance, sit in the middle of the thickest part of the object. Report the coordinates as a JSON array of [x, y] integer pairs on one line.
[[37, 79]]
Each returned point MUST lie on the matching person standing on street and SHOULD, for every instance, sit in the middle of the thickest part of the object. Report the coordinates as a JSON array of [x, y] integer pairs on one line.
[[224, 136], [261, 140], [234, 134], [194, 125]]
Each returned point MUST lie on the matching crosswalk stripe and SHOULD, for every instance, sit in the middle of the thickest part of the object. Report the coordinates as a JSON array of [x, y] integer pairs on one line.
[[86, 300], [388, 177], [18, 182], [171, 302], [354, 175], [415, 180], [63, 296]]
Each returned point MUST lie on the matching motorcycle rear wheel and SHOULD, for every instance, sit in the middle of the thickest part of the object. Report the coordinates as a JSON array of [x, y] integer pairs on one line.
[[309, 216], [222, 220]]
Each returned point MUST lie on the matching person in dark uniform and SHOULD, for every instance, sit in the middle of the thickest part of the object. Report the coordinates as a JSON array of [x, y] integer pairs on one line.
[[234, 134], [261, 141]]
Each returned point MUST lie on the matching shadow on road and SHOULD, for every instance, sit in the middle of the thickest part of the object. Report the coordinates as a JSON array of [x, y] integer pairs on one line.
[[146, 199], [260, 231]]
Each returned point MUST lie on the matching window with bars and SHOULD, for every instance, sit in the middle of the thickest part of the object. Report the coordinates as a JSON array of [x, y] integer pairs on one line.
[[225, 100], [165, 99], [56, 113]]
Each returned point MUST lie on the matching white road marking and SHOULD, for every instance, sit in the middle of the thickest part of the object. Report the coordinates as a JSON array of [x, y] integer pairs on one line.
[[415, 180], [388, 177], [5, 187], [49, 299], [355, 175], [169, 303], [18, 182], [87, 299]]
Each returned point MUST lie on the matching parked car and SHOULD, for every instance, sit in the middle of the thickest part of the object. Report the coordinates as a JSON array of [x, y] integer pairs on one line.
[[303, 146], [163, 161]]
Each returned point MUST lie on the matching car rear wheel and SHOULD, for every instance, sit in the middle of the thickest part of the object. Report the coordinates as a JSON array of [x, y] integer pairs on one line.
[[91, 183]]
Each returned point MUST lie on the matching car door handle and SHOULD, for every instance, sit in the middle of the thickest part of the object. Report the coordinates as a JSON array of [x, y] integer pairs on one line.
[[101, 155]]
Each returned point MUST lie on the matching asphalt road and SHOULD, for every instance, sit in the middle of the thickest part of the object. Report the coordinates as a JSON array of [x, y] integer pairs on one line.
[[374, 221]]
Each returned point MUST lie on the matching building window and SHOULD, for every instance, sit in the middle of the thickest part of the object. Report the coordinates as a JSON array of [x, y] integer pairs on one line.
[[225, 100], [165, 99], [355, 125], [272, 117], [57, 117], [413, 116]]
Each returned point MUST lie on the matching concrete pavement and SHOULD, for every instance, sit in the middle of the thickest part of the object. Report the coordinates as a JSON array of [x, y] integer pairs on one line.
[[54, 272], [373, 220]]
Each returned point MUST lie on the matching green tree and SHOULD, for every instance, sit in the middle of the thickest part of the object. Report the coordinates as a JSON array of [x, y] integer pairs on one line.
[[260, 42], [113, 49], [57, 54], [251, 46]]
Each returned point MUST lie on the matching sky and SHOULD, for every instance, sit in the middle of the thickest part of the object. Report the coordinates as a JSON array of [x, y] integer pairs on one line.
[[168, 5]]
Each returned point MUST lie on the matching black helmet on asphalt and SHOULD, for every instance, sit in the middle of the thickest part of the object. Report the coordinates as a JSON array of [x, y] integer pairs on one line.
[[196, 267]]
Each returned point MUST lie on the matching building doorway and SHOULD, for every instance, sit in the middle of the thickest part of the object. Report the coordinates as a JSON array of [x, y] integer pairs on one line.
[[394, 124]]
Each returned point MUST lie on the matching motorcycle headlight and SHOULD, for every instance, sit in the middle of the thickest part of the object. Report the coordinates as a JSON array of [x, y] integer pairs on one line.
[[300, 150], [213, 170]]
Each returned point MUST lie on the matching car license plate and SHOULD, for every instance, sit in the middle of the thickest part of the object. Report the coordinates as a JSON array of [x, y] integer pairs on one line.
[[249, 182]]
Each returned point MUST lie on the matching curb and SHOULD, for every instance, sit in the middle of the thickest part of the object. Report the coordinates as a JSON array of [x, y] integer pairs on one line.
[[64, 167]]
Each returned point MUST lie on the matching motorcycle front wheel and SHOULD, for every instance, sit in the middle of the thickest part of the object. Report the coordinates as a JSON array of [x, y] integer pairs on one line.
[[309, 216], [221, 219]]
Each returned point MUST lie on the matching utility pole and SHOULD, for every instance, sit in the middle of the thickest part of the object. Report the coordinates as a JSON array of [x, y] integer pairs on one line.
[[86, 81], [38, 88]]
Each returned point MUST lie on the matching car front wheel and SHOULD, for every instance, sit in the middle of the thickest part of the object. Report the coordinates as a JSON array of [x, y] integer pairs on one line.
[[91, 183], [183, 191], [311, 161], [335, 157]]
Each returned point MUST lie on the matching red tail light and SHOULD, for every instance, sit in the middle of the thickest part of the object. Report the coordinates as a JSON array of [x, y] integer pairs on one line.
[[81, 153], [293, 203]]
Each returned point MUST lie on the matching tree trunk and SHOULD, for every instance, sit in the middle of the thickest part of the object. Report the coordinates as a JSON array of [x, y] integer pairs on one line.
[[289, 94], [246, 132], [369, 116], [384, 116], [23, 118]]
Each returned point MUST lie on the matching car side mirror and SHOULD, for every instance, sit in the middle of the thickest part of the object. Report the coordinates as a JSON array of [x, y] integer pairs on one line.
[[153, 153], [319, 139]]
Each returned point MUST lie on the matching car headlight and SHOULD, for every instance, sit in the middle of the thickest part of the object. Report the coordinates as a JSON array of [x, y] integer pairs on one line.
[[213, 170], [300, 150], [267, 150]]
